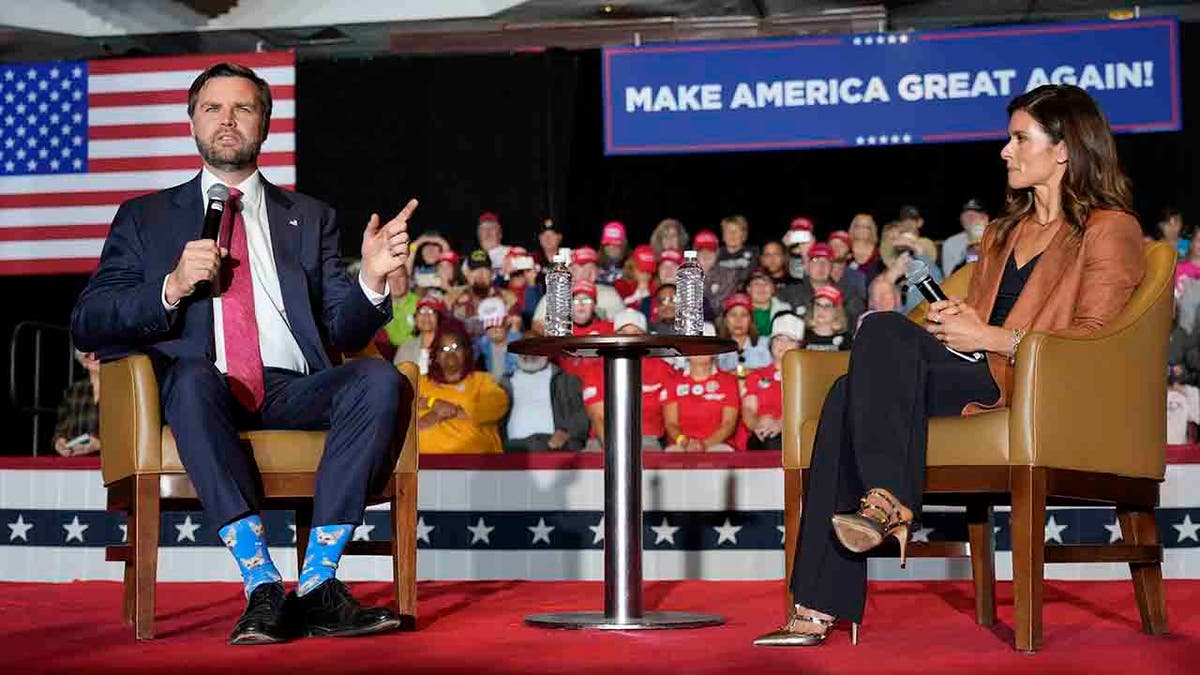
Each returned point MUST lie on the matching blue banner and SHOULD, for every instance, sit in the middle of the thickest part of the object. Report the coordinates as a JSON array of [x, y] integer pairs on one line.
[[880, 89]]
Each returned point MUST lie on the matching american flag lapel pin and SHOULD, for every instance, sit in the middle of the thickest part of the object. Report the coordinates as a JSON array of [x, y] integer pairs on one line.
[[294, 223]]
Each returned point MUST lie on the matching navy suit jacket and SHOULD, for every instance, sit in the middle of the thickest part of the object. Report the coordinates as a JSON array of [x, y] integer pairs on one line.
[[121, 311]]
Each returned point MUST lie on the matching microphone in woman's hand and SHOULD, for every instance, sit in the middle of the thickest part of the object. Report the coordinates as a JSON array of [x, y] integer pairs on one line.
[[918, 275]]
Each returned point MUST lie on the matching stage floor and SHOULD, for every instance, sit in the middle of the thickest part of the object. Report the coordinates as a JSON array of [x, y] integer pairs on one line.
[[476, 626]]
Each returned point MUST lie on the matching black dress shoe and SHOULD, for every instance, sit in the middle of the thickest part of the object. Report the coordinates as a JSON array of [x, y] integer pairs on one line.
[[263, 621], [330, 610]]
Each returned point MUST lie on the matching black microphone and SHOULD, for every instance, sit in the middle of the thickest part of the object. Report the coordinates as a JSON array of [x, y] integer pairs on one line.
[[217, 196], [917, 274]]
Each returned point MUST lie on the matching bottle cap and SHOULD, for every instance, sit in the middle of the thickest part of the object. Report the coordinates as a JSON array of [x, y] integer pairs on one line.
[[689, 255]]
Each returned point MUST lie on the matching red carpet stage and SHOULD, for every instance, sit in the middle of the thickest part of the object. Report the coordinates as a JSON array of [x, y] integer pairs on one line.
[[476, 627]]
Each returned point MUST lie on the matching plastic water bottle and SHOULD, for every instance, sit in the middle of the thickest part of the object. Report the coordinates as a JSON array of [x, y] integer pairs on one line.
[[558, 296], [689, 296]]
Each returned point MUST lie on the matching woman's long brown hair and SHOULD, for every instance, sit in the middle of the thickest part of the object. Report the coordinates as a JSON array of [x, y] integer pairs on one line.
[[1094, 179]]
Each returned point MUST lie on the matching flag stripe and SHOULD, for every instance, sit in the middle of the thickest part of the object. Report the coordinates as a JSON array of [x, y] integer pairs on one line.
[[168, 129], [53, 248], [50, 266], [143, 181], [173, 145], [118, 98], [162, 114], [258, 61], [53, 232], [172, 80], [191, 161]]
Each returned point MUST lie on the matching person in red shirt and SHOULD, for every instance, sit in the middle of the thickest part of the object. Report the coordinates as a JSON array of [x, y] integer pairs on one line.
[[701, 410], [583, 314], [762, 402], [637, 285], [657, 378]]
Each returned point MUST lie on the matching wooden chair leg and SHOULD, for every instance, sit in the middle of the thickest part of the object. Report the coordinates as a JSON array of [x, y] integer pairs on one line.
[[404, 546], [793, 490], [1138, 527], [304, 515], [983, 567], [143, 540], [1028, 553]]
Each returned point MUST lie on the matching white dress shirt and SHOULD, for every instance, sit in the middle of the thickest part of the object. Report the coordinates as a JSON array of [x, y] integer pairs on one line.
[[276, 341]]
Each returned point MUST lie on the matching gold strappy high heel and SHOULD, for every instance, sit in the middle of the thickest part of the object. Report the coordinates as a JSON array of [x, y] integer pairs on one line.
[[873, 522], [788, 636]]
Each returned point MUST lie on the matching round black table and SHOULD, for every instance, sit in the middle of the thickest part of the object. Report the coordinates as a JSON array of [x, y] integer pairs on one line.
[[622, 356]]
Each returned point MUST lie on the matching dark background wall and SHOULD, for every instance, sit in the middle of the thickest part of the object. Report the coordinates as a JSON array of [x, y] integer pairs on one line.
[[520, 134]]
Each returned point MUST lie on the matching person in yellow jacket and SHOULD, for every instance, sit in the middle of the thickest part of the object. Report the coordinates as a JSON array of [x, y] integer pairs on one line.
[[460, 408]]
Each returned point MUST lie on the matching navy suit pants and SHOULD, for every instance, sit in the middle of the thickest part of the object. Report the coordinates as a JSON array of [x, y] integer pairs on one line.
[[357, 402]]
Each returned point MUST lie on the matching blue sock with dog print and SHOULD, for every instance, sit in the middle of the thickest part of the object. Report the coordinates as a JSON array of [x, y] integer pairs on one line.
[[244, 539], [325, 546]]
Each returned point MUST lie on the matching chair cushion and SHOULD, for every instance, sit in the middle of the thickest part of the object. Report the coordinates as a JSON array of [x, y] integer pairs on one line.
[[274, 451], [978, 440]]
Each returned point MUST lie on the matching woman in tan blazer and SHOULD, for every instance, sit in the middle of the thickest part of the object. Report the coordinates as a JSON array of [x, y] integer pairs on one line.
[[1064, 256]]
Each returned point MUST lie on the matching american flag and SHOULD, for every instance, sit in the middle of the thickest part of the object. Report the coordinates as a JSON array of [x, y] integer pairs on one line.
[[77, 138]]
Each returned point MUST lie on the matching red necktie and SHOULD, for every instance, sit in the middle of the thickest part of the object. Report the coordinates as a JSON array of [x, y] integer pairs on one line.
[[243, 359]]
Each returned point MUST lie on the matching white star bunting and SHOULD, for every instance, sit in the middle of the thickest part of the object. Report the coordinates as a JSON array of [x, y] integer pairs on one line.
[[20, 528], [423, 530], [782, 533], [292, 527], [1187, 529], [124, 527], [481, 532], [541, 531], [1114, 532], [922, 534], [187, 530], [665, 532], [363, 532], [597, 531], [727, 532], [75, 529], [1054, 530]]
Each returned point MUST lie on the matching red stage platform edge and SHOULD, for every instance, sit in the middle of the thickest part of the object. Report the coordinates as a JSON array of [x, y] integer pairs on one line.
[[911, 627]]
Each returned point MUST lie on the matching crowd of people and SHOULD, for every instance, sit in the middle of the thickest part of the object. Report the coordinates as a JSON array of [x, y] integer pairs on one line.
[[454, 316], [456, 311]]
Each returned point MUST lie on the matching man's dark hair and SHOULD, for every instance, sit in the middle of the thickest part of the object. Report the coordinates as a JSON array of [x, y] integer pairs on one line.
[[233, 70]]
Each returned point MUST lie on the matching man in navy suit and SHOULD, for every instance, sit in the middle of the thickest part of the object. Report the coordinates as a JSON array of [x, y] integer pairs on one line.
[[237, 330]]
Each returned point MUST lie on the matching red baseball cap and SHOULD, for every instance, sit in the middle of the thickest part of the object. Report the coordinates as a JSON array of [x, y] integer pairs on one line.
[[820, 250], [584, 255], [738, 300], [613, 233], [514, 251], [840, 235], [706, 239], [430, 301], [830, 293], [644, 258], [450, 257], [585, 287], [801, 223], [671, 255], [489, 217]]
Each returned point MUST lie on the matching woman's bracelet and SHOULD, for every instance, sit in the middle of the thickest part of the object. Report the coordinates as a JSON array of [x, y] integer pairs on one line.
[[680, 439], [1017, 335]]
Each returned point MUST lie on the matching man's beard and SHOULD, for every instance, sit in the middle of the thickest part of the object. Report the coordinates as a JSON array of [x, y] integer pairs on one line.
[[230, 158]]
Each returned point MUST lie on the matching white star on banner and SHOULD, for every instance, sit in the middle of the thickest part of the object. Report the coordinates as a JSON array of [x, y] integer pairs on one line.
[[541, 531], [20, 528], [481, 532], [292, 527], [187, 530], [75, 529], [1114, 532], [597, 531], [1187, 529], [363, 532], [782, 533], [922, 534], [124, 532], [727, 532], [423, 530], [1054, 530], [665, 532]]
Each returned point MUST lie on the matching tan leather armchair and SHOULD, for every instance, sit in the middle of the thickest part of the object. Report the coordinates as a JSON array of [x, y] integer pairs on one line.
[[143, 474], [1085, 425]]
